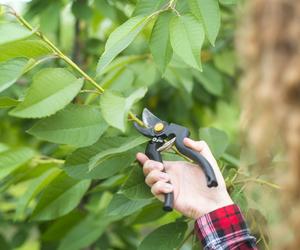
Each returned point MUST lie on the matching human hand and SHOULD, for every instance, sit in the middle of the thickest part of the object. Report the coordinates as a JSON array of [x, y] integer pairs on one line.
[[192, 197]]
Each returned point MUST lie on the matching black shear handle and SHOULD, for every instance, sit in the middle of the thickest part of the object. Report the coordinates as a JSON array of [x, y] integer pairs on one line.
[[153, 154], [199, 159]]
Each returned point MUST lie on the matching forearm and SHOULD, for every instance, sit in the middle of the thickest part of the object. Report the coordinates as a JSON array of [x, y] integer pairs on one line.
[[224, 228]]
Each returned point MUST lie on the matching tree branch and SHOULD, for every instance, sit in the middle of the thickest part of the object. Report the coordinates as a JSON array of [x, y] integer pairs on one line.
[[60, 54]]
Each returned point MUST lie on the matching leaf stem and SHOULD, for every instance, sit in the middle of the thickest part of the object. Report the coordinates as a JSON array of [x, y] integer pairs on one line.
[[40, 61], [172, 4], [45, 159], [134, 118], [90, 91], [58, 52]]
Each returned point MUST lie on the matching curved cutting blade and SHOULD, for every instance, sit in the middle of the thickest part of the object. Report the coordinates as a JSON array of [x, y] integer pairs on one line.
[[144, 131], [149, 119]]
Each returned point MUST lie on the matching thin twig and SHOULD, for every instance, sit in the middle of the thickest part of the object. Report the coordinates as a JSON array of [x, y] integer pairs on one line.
[[42, 60], [11, 9], [45, 159], [180, 154], [59, 52], [90, 91], [260, 181]]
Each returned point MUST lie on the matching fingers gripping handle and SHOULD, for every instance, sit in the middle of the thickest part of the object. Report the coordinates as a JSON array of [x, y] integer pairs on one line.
[[153, 154], [200, 160]]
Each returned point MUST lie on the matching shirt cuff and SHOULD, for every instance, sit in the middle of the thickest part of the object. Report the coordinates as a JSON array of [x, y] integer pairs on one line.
[[224, 228]]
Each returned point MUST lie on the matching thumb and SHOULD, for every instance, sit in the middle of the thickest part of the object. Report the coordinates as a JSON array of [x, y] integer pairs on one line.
[[195, 145], [201, 147]]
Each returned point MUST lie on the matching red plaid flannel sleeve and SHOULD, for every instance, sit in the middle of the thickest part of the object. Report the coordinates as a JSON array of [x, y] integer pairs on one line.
[[224, 229]]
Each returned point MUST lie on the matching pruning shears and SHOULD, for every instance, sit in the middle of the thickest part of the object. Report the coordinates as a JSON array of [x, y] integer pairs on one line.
[[163, 136]]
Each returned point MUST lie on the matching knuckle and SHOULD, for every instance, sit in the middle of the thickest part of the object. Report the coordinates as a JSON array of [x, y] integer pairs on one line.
[[153, 190], [152, 177], [148, 180], [147, 166], [156, 188], [151, 165], [160, 185]]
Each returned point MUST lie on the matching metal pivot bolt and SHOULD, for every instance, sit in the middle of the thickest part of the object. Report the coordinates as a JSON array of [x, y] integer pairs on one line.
[[158, 127]]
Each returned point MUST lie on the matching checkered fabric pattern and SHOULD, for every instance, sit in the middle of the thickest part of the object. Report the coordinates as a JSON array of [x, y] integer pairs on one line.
[[224, 229]]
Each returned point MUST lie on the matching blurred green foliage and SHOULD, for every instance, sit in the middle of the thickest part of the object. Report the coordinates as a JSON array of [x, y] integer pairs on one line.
[[68, 175]]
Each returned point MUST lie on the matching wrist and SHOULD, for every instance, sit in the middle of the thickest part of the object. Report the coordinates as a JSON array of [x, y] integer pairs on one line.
[[221, 201]]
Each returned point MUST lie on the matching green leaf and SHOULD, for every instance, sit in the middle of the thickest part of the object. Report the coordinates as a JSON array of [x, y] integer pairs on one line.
[[35, 187], [3, 147], [81, 10], [10, 71], [11, 160], [106, 9], [76, 125], [238, 197], [121, 206], [7, 102], [216, 139], [182, 7], [24, 48], [160, 45], [187, 36], [52, 89], [120, 80], [11, 32], [180, 78], [228, 2], [119, 39], [210, 79], [49, 18], [150, 213], [169, 237], [135, 187], [226, 62], [19, 238], [119, 154], [61, 196], [77, 166], [4, 243], [208, 13], [146, 7], [123, 145], [115, 153], [149, 76], [109, 183], [60, 227], [115, 108], [121, 62], [87, 231]]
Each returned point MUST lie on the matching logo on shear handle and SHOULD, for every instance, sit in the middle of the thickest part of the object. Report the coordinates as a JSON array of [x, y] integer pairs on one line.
[[155, 139]]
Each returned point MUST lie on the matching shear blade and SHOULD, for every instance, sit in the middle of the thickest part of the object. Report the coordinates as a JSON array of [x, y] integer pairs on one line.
[[149, 119], [167, 145]]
